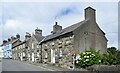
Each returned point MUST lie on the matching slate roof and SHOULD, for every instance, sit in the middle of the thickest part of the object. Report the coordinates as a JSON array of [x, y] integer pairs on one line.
[[39, 37], [16, 40], [20, 43], [64, 31]]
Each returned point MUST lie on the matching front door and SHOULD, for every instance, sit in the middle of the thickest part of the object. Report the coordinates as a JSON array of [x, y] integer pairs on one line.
[[21, 56], [52, 56], [32, 57]]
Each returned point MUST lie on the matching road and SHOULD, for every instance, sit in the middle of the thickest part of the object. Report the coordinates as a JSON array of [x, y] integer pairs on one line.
[[0, 67], [12, 65]]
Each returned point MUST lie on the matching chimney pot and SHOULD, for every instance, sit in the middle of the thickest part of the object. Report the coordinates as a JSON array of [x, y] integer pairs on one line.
[[56, 28], [4, 42], [56, 23], [18, 36], [27, 35], [9, 39], [38, 31]]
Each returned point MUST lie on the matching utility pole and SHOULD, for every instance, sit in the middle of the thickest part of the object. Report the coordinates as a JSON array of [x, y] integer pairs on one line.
[[73, 57], [55, 18]]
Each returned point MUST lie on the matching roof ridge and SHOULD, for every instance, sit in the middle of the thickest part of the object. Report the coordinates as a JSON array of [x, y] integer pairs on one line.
[[64, 31]]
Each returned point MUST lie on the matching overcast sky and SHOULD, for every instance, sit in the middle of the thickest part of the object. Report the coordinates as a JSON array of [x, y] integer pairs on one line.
[[24, 17]]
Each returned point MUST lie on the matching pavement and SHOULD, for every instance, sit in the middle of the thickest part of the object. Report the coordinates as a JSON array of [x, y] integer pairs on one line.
[[51, 67]]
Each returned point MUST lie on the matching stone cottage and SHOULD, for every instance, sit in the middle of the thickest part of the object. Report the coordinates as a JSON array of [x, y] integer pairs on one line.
[[34, 49], [20, 51], [19, 48], [62, 44], [15, 41]]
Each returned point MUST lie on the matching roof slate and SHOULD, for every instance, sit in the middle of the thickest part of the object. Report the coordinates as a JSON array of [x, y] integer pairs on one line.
[[39, 37], [64, 31]]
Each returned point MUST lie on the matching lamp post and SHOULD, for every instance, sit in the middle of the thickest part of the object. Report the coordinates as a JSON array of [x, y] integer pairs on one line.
[[73, 57]]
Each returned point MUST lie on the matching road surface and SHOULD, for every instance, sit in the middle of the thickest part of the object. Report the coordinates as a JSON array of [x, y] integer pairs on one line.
[[0, 67], [12, 65]]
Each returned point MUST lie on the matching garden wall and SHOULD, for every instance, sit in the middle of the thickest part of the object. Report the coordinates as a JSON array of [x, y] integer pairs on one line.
[[104, 68]]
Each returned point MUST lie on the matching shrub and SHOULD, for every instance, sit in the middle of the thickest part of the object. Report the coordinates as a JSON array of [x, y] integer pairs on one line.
[[88, 58], [91, 57], [111, 56]]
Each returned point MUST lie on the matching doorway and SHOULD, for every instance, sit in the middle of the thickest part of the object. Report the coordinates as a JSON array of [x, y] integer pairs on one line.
[[32, 57], [52, 56]]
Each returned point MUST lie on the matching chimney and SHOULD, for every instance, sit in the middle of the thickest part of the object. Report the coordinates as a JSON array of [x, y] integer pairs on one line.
[[90, 14], [56, 28], [9, 39], [38, 31], [12, 38], [4, 42], [27, 35], [17, 36]]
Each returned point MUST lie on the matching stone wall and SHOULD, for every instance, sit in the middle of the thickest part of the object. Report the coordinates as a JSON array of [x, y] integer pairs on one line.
[[62, 47], [104, 68], [19, 52], [89, 36], [33, 48]]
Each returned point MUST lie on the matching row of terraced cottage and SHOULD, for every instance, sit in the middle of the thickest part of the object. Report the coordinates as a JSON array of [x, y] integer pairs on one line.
[[62, 44]]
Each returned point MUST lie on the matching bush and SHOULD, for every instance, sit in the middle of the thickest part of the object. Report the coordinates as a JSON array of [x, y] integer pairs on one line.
[[91, 57], [88, 58], [111, 56]]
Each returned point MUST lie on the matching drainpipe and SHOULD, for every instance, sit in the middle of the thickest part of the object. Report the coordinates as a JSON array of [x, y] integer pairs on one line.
[[41, 52], [73, 56]]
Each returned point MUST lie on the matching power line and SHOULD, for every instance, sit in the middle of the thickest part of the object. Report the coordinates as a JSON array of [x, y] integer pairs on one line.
[[108, 33]]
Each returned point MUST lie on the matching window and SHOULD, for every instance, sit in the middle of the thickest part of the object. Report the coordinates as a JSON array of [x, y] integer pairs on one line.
[[16, 48], [23, 53], [37, 46], [23, 45], [28, 55], [28, 48], [46, 55], [32, 45], [60, 52], [37, 54]]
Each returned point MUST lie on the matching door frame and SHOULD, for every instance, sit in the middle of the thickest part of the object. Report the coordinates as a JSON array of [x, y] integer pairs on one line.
[[52, 55]]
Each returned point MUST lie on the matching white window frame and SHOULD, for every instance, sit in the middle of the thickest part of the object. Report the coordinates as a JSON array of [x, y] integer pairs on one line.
[[32, 45], [60, 52], [24, 54], [38, 54], [46, 55]]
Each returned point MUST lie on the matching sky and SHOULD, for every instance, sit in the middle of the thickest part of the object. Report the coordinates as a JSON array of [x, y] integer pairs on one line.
[[21, 17]]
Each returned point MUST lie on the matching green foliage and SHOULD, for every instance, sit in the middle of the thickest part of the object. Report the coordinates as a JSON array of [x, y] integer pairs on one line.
[[118, 57], [88, 58], [91, 57], [111, 56]]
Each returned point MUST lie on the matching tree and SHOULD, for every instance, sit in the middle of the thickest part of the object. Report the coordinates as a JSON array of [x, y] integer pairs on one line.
[[112, 50], [111, 56]]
